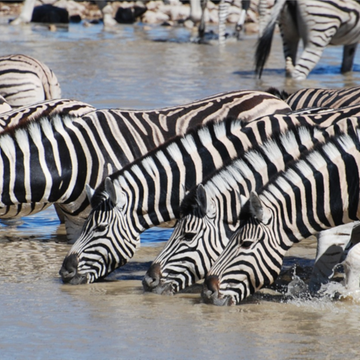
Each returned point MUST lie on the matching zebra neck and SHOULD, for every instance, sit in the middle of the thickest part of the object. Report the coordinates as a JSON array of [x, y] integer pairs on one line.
[[318, 192]]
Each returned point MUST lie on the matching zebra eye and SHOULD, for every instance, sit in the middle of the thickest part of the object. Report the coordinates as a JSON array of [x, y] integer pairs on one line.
[[246, 244], [100, 228], [188, 236]]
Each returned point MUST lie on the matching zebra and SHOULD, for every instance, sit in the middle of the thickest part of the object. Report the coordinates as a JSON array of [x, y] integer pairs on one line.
[[149, 191], [197, 15], [25, 80], [316, 192], [66, 151], [202, 231], [209, 213], [318, 23]]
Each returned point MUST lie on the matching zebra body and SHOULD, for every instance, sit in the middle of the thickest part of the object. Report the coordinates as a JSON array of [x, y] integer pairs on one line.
[[149, 191], [209, 214], [66, 152], [317, 192], [26, 81], [318, 23]]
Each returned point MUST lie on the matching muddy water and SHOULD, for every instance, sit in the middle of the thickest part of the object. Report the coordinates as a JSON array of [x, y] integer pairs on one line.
[[40, 318]]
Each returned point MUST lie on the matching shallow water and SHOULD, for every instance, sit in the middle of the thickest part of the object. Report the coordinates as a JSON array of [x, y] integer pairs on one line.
[[143, 67]]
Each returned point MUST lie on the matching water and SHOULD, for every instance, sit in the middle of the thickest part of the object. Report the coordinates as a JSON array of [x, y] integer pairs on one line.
[[146, 67]]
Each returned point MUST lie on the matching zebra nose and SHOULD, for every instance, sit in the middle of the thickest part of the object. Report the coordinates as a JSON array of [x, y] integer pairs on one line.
[[152, 277], [69, 268], [211, 288]]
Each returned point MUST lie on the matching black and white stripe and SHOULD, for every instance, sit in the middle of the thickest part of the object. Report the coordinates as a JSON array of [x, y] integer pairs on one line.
[[51, 158], [209, 213], [317, 192], [318, 23], [149, 191], [26, 81]]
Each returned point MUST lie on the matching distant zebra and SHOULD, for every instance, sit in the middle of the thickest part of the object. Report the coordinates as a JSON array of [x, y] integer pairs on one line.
[[26, 81], [318, 23], [149, 191], [317, 192], [50, 159], [209, 213]]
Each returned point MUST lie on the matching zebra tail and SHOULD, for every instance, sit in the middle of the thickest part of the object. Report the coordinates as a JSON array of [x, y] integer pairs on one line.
[[263, 45]]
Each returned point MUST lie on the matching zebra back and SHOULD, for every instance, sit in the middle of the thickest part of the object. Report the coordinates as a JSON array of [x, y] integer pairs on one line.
[[149, 191], [316, 192], [332, 98], [25, 80], [43, 109]]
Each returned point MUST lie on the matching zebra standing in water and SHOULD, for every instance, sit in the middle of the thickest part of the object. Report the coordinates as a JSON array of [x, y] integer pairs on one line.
[[66, 152], [149, 191], [209, 213], [314, 193], [26, 81], [318, 23]]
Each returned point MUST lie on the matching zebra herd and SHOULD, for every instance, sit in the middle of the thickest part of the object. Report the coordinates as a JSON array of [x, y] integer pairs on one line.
[[243, 175]]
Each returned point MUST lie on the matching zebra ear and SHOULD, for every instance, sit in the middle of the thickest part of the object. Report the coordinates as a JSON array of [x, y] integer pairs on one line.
[[257, 209], [203, 201], [89, 192], [114, 191]]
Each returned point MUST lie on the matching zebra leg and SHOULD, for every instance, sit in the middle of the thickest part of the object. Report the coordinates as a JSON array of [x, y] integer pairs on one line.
[[223, 12], [202, 20], [245, 4], [290, 37], [26, 13], [348, 57], [331, 244]]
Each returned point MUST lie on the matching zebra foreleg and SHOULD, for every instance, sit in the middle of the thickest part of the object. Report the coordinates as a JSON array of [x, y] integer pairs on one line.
[[202, 20], [348, 57]]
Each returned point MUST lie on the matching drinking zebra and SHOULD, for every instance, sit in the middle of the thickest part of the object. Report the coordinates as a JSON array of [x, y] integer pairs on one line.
[[314, 193], [149, 191], [26, 81], [66, 152], [209, 213], [318, 23]]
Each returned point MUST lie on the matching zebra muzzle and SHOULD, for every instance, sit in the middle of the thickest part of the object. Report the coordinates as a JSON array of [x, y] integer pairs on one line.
[[68, 271]]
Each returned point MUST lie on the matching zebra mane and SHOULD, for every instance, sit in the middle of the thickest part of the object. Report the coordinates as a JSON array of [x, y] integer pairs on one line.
[[171, 147], [315, 158], [227, 178]]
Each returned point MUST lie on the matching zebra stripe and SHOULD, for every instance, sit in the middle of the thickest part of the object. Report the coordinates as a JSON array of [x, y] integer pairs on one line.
[[317, 192], [84, 150], [26, 81], [149, 191], [331, 98], [209, 213], [46, 108], [319, 23]]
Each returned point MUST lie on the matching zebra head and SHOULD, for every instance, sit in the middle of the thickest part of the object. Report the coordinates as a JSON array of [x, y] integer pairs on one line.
[[249, 261], [186, 258], [104, 243], [197, 240]]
